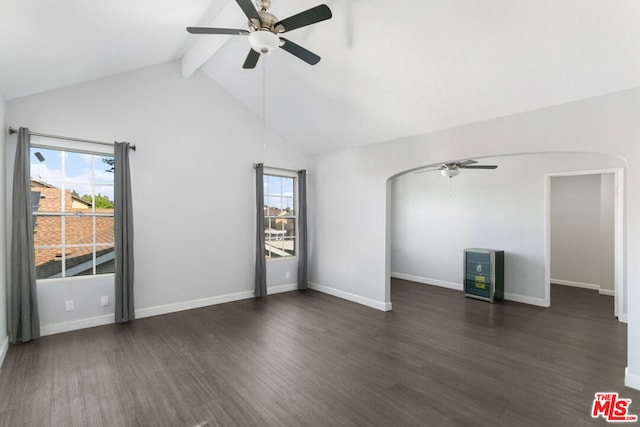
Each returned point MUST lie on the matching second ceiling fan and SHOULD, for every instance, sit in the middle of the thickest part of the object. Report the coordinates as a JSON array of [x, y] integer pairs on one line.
[[264, 30]]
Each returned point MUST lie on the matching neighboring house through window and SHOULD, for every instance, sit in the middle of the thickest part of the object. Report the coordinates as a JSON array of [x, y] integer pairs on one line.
[[279, 216], [72, 202]]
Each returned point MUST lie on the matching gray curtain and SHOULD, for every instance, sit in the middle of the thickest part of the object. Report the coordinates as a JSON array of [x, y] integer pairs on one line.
[[123, 235], [24, 322], [302, 230], [261, 264]]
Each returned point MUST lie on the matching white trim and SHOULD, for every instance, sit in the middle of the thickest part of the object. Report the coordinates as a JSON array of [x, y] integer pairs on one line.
[[591, 286], [191, 304], [631, 380], [74, 325], [540, 302], [282, 288], [620, 302], [576, 284], [141, 313], [3, 350], [378, 305], [428, 281]]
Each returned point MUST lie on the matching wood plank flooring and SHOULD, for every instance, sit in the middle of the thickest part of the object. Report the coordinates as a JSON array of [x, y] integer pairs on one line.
[[309, 359]]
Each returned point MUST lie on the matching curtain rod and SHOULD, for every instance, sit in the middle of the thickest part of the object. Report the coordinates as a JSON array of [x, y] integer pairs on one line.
[[255, 165], [68, 138]]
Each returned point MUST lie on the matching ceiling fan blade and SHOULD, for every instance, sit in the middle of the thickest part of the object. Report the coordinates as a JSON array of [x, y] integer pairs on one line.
[[252, 59], [308, 17], [479, 167], [207, 30], [302, 53], [467, 163], [248, 9]]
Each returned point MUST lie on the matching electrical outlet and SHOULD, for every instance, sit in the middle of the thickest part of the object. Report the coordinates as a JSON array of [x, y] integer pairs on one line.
[[287, 275], [68, 305], [104, 300]]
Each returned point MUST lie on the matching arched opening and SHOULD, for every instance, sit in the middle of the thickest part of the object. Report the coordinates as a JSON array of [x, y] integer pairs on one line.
[[431, 219]]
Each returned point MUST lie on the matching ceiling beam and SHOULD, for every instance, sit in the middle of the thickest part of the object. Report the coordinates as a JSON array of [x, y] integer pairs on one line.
[[205, 46]]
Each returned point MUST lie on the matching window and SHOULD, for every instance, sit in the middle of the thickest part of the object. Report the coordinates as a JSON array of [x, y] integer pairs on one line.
[[279, 216], [72, 203]]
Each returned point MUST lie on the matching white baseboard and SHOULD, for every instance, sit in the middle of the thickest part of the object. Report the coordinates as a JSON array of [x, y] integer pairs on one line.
[[592, 286], [282, 288], [191, 304], [378, 305], [74, 325], [427, 281], [575, 284], [458, 287], [3, 350], [631, 380], [540, 302], [141, 313]]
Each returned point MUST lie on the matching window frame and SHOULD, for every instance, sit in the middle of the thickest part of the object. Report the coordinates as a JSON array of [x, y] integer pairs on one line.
[[75, 148], [279, 173]]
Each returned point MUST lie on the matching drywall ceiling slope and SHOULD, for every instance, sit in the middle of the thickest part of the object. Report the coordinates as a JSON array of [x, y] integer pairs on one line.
[[49, 44], [390, 70]]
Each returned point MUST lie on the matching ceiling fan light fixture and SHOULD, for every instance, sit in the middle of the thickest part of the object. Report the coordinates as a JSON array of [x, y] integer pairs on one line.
[[450, 173], [264, 41]]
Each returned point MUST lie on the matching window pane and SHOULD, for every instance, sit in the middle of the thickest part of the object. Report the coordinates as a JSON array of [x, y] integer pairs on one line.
[[105, 230], [47, 231], [50, 199], [275, 248], [289, 246], [48, 263], [287, 204], [105, 259], [48, 169], [78, 230], [105, 167], [77, 258], [78, 197], [287, 186], [290, 227], [274, 185], [77, 167]]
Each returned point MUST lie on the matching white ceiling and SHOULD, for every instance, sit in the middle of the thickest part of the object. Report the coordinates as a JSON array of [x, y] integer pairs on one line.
[[388, 69]]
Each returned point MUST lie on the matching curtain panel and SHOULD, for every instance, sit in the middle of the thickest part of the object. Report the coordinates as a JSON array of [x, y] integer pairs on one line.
[[24, 322], [123, 218]]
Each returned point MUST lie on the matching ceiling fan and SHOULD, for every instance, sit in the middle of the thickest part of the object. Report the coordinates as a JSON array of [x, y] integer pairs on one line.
[[264, 30], [453, 169]]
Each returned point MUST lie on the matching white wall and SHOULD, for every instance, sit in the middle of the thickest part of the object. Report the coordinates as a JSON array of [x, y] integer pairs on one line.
[[434, 218], [350, 245], [4, 338], [582, 230], [607, 232], [193, 188]]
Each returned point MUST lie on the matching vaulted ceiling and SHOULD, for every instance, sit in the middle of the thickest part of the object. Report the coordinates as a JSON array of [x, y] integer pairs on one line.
[[388, 69]]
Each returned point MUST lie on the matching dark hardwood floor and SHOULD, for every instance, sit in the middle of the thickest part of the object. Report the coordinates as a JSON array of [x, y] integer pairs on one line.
[[306, 358]]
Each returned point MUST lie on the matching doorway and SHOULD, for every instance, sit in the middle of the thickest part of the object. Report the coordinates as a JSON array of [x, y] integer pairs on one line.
[[584, 230]]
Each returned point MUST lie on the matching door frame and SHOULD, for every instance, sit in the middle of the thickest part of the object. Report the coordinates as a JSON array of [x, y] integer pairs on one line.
[[619, 244]]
